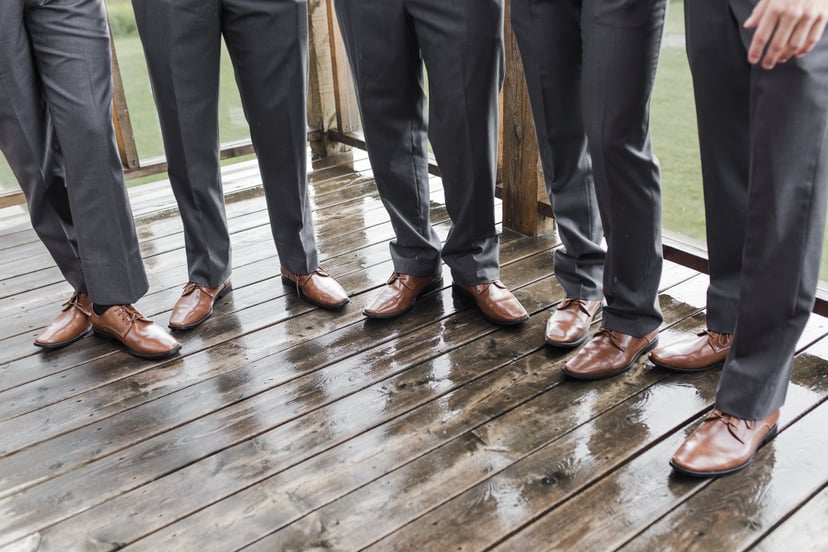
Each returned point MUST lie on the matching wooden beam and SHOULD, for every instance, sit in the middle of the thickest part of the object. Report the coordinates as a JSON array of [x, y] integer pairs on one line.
[[344, 97], [356, 140], [9, 199], [321, 88], [522, 175], [120, 115]]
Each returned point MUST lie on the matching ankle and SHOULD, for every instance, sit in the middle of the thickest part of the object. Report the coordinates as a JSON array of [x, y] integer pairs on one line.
[[100, 309]]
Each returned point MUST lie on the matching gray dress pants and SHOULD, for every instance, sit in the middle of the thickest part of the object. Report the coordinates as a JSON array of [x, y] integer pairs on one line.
[[268, 45], [590, 67], [461, 44], [56, 133], [763, 146]]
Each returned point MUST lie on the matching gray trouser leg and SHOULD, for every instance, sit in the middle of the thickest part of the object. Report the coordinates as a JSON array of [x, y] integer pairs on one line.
[[548, 33], [268, 43], [28, 140], [721, 78], [621, 43], [63, 48], [385, 59], [461, 44], [182, 44], [268, 46], [606, 52], [785, 202]]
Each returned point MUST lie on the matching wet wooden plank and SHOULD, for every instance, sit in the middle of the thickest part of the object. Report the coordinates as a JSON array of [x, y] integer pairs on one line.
[[286, 427], [291, 438], [803, 530], [244, 421], [16, 230], [256, 244], [253, 249], [328, 190], [616, 508], [293, 495], [732, 512], [251, 309], [30, 311], [258, 344], [499, 504]]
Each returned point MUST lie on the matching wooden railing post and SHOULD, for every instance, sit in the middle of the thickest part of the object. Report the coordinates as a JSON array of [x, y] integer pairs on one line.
[[344, 96], [321, 101], [120, 115], [521, 172]]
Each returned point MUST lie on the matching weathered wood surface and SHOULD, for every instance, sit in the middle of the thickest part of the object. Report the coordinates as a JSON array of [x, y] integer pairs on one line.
[[284, 427]]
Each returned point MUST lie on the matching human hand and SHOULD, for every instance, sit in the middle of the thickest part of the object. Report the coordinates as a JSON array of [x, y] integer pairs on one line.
[[786, 28]]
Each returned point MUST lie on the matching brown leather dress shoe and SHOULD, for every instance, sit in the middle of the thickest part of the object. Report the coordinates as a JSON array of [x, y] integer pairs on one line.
[[196, 305], [70, 325], [496, 302], [607, 354], [707, 350], [569, 325], [399, 295], [317, 288], [141, 336], [723, 444]]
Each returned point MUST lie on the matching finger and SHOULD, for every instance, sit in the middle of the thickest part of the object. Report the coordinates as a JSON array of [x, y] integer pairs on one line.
[[787, 54], [799, 36], [756, 14], [762, 36], [780, 41], [817, 29]]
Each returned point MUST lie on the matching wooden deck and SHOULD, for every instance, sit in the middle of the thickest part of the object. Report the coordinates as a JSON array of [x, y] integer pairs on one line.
[[284, 427]]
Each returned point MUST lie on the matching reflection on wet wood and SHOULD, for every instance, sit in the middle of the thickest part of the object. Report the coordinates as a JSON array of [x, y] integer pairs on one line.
[[804, 530], [284, 427]]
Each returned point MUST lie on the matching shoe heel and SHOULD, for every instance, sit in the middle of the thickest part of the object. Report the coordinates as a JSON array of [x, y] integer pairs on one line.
[[436, 284], [649, 347], [224, 292], [288, 282]]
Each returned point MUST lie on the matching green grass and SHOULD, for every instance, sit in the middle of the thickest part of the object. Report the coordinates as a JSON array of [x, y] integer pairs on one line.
[[675, 140], [672, 119]]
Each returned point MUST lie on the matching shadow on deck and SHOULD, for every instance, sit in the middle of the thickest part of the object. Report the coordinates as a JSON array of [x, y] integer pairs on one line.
[[285, 427]]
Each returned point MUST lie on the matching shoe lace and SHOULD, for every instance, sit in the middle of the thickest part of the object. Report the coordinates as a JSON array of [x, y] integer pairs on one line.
[[717, 340], [301, 279], [581, 303], [610, 335], [398, 277], [190, 287], [130, 314], [732, 423], [75, 301]]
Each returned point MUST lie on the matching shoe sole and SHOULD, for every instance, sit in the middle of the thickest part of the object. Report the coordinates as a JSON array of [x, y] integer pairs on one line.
[[110, 337], [436, 284], [686, 370], [588, 377], [288, 282], [684, 471], [220, 294], [468, 298], [50, 346]]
